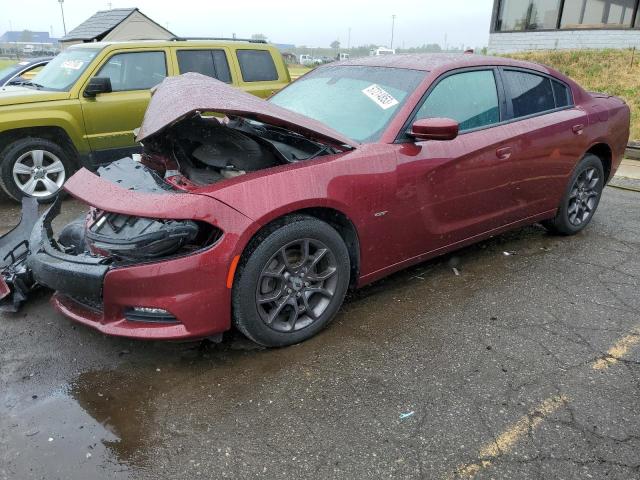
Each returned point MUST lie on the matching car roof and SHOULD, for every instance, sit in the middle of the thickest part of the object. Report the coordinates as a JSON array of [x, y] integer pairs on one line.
[[174, 43], [430, 62]]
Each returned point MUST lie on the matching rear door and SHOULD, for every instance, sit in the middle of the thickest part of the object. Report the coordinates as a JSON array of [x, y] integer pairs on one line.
[[547, 137], [110, 118]]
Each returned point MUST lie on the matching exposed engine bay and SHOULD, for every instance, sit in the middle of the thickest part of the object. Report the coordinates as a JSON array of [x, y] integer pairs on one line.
[[193, 152], [206, 150]]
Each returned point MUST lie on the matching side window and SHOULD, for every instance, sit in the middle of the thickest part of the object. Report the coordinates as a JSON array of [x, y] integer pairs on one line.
[[256, 65], [470, 98], [562, 94], [212, 63], [529, 93], [134, 71]]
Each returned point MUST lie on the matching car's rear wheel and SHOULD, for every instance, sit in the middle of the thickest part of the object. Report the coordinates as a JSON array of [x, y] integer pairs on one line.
[[34, 167], [581, 199], [291, 283]]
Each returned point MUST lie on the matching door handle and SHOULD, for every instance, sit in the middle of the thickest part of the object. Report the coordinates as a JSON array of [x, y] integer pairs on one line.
[[503, 153], [577, 129]]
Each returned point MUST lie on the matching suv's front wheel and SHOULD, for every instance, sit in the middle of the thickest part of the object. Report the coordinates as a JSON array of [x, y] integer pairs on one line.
[[35, 167]]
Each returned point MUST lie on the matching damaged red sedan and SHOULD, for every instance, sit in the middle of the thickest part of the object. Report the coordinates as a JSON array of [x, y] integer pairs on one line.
[[265, 218]]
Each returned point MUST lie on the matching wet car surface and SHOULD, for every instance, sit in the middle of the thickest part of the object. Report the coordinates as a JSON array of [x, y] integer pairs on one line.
[[491, 373]]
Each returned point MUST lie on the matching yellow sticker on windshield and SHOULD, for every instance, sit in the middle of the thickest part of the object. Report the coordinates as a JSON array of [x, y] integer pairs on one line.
[[380, 96]]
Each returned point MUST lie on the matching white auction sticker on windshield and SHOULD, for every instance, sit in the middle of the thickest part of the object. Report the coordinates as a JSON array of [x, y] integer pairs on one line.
[[379, 95], [72, 64]]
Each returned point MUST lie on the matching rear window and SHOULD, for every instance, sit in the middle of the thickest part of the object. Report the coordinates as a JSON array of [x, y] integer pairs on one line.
[[256, 65], [212, 63], [530, 93], [562, 94]]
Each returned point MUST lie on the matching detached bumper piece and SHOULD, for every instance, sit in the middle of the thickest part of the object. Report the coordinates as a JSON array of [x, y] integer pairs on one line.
[[15, 278]]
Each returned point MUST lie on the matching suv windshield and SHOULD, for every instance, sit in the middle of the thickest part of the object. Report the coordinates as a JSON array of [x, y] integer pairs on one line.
[[63, 71], [358, 102]]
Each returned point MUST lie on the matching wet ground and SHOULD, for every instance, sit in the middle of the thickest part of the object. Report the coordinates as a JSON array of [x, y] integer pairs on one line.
[[525, 365]]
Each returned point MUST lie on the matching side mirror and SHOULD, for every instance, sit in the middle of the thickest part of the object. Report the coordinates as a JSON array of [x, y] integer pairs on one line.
[[98, 85], [434, 129]]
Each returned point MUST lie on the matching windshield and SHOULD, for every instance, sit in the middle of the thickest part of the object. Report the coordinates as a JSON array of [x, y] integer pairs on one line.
[[63, 71], [358, 102], [8, 70]]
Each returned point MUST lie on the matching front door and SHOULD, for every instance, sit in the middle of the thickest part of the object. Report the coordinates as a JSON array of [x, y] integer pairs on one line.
[[449, 191], [110, 118]]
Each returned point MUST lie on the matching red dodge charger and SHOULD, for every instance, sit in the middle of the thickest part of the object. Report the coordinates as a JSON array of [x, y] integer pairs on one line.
[[262, 214]]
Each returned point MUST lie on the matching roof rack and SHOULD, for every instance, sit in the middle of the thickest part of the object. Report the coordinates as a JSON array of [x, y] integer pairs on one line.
[[251, 40]]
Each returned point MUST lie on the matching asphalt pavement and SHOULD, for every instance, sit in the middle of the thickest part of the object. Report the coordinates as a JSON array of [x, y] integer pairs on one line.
[[524, 364]]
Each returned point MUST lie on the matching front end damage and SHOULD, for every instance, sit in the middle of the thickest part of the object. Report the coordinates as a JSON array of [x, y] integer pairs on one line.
[[151, 257]]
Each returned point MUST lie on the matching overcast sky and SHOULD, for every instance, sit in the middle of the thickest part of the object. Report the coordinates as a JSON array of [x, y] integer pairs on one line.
[[315, 23]]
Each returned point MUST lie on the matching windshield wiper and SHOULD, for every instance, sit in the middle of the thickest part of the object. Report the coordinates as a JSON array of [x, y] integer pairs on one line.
[[29, 83]]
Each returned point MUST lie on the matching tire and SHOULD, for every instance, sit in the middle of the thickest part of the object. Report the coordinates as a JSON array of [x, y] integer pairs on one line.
[[45, 181], [301, 303], [581, 198]]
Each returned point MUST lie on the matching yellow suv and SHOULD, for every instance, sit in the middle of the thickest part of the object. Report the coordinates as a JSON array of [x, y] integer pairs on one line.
[[81, 108]]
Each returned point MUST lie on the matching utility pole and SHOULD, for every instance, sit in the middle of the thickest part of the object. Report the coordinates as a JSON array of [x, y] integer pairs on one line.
[[64, 25], [393, 24], [349, 39]]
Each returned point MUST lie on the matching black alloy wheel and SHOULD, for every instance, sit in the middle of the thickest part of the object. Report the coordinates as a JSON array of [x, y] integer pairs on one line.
[[291, 282]]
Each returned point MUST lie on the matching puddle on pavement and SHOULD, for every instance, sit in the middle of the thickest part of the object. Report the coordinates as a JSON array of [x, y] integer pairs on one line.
[[111, 423]]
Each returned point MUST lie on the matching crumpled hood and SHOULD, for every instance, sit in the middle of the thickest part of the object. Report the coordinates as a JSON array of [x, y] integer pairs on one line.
[[16, 95], [178, 97]]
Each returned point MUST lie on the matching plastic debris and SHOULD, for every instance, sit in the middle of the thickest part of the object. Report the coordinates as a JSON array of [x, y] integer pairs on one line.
[[406, 415], [456, 272]]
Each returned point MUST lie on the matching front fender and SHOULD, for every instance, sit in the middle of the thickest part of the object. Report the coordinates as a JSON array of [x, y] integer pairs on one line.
[[64, 114]]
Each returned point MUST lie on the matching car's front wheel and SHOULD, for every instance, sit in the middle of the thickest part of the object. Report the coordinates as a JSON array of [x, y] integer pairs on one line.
[[34, 167], [291, 283], [579, 203]]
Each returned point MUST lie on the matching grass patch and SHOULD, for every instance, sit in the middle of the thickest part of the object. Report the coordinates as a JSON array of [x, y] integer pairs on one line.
[[607, 71]]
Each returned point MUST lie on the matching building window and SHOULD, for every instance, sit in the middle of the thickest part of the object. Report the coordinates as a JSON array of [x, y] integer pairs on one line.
[[597, 13], [527, 15]]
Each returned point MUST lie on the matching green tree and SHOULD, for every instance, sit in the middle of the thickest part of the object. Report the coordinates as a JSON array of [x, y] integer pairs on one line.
[[335, 44]]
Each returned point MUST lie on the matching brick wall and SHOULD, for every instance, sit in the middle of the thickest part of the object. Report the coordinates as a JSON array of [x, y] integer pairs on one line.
[[562, 39]]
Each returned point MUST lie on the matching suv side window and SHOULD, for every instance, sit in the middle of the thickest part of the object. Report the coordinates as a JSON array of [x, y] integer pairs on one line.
[[470, 98], [134, 71], [256, 65], [530, 93], [212, 63]]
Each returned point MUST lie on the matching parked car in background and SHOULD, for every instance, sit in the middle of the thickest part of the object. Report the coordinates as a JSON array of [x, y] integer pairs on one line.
[[353, 172], [305, 59], [22, 71], [376, 52], [82, 108]]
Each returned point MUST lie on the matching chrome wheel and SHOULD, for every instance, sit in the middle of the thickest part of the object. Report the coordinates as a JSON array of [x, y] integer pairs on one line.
[[297, 285], [583, 198], [39, 173]]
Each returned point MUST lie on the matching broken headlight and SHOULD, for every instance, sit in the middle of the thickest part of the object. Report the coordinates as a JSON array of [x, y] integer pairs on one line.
[[138, 238]]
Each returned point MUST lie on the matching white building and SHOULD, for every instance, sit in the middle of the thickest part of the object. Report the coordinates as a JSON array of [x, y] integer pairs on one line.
[[119, 24], [519, 25]]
